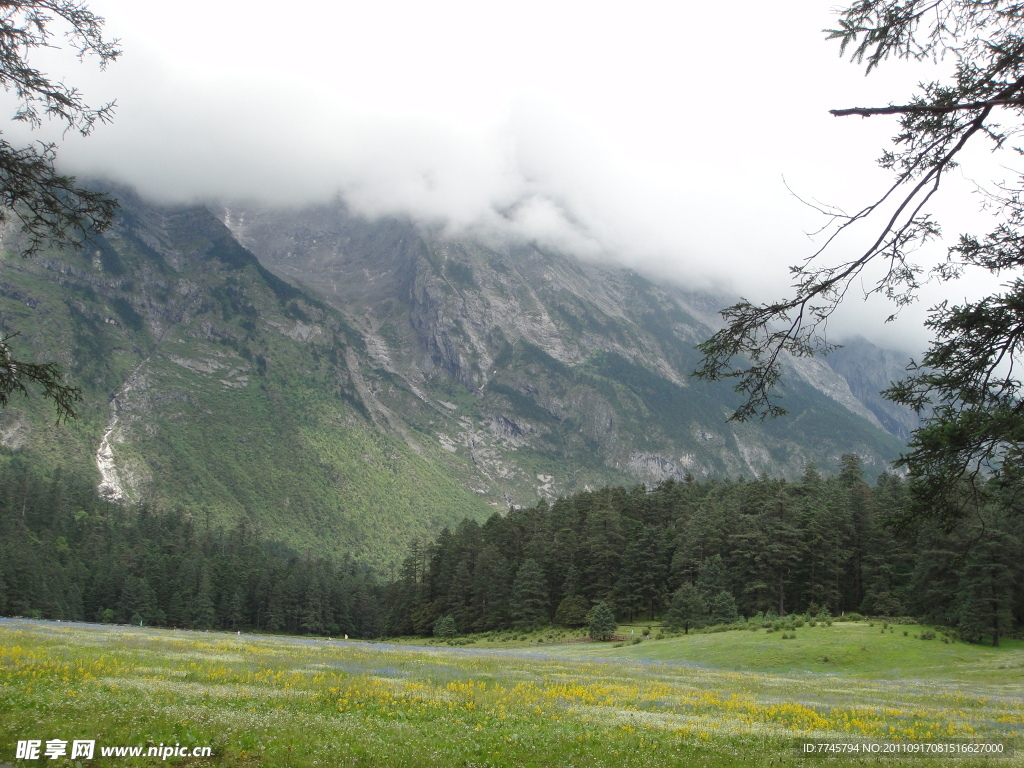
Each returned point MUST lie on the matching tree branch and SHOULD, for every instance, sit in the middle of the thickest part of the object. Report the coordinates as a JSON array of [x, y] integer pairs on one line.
[[925, 109]]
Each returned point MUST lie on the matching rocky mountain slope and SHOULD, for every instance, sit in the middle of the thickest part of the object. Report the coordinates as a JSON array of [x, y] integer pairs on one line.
[[366, 382], [559, 373], [213, 385]]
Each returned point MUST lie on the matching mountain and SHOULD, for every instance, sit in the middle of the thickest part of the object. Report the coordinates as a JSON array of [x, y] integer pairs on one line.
[[211, 384], [551, 373], [870, 369], [357, 384]]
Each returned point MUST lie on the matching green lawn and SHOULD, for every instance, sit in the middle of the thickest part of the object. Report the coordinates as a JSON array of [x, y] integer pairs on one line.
[[726, 699]]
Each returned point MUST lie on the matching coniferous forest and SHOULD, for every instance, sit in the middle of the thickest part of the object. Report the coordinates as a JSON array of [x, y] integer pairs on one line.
[[690, 553], [67, 554]]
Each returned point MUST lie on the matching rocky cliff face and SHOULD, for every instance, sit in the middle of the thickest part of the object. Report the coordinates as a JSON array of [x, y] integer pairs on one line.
[[547, 373], [868, 370]]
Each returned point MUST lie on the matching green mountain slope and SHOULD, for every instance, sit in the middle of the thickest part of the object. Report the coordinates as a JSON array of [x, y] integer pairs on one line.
[[212, 384]]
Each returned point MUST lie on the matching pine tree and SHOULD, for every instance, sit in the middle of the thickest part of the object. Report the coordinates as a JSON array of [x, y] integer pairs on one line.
[[424, 618], [203, 615], [602, 623], [601, 553], [530, 596], [721, 608], [3, 587], [137, 601], [712, 577], [234, 614], [275, 618], [492, 590], [641, 583], [767, 546], [687, 610], [459, 600], [936, 578], [314, 611], [985, 598], [859, 504]]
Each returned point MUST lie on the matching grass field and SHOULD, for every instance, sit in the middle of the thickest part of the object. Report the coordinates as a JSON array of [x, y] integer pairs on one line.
[[737, 698]]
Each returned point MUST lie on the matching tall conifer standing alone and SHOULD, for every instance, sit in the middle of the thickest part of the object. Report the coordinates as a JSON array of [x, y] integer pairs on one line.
[[602, 623]]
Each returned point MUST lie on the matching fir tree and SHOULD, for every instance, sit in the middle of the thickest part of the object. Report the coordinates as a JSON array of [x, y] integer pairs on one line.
[[529, 596], [491, 590], [687, 610], [985, 598], [721, 608], [602, 623]]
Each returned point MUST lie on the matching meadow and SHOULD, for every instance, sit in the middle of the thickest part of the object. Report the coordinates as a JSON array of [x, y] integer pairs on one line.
[[739, 698]]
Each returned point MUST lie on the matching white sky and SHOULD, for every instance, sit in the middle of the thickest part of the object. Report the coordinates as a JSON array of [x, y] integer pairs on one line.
[[656, 134]]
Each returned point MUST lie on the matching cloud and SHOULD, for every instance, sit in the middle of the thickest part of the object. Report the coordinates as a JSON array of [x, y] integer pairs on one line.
[[655, 139]]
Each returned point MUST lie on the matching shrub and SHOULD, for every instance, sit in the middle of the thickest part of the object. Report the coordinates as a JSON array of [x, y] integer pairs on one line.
[[572, 611], [888, 605], [445, 628]]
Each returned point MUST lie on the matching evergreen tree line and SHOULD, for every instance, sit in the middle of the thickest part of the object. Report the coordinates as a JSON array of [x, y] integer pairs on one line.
[[691, 553], [712, 552], [67, 554]]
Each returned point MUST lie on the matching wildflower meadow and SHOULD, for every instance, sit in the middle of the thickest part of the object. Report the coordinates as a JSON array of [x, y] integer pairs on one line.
[[279, 701]]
